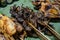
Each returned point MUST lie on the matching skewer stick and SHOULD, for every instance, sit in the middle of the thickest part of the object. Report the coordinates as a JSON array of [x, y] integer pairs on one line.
[[22, 37], [57, 35], [39, 33]]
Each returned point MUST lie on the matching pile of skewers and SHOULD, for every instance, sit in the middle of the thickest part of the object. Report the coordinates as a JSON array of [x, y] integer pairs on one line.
[[51, 8], [25, 22], [33, 23]]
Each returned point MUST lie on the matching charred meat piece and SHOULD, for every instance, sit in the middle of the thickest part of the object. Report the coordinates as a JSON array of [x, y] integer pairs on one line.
[[29, 15]]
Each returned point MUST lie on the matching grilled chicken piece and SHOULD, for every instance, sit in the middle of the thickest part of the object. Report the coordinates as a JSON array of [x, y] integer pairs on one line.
[[7, 24]]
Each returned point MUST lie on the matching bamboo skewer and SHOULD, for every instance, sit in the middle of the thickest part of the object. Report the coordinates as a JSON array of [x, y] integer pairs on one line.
[[57, 35], [39, 33]]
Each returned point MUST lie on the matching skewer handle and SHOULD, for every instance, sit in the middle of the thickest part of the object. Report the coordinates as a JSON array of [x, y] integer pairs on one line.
[[40, 34], [57, 35]]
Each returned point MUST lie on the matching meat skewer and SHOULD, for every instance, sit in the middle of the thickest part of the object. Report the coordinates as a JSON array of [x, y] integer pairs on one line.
[[42, 36], [28, 16]]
